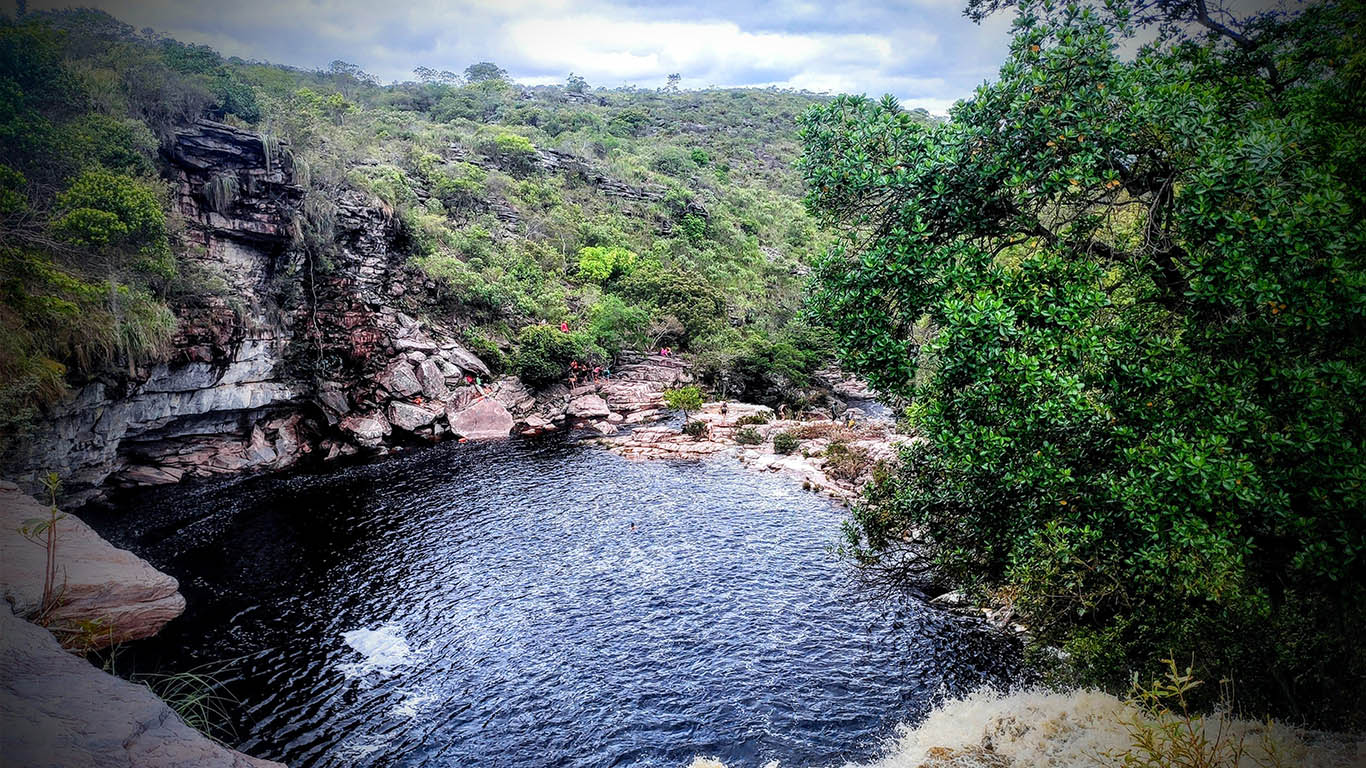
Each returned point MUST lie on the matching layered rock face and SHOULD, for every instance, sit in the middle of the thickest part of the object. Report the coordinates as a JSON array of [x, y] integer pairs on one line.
[[296, 355], [289, 360]]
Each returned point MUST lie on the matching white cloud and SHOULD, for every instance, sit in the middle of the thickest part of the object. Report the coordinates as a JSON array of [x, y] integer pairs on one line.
[[923, 51]]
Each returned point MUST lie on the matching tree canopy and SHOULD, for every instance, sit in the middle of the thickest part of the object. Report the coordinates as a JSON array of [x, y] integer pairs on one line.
[[1124, 301]]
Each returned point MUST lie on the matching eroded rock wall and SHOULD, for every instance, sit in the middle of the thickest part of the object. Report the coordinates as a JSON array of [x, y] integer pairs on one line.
[[292, 355]]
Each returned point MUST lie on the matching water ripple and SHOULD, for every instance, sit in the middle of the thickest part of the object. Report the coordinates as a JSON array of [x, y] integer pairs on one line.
[[491, 605]]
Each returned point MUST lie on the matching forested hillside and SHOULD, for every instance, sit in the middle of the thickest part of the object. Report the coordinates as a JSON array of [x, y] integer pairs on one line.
[[640, 218]]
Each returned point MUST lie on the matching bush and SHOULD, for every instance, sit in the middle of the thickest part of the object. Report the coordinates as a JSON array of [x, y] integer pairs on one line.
[[846, 462], [758, 417], [543, 355], [601, 264], [785, 443], [695, 428], [515, 153], [748, 436]]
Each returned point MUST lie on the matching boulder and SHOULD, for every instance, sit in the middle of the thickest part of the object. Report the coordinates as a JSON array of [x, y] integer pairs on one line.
[[433, 381], [410, 417], [483, 418], [58, 710], [588, 406], [466, 359], [334, 402], [107, 595], [400, 379], [511, 392], [368, 430], [416, 343]]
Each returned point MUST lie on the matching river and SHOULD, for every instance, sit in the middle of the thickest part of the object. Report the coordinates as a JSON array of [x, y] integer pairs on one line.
[[491, 605]]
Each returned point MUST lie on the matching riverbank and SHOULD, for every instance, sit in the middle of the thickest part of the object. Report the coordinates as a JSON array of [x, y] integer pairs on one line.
[[832, 458], [57, 709], [1090, 729]]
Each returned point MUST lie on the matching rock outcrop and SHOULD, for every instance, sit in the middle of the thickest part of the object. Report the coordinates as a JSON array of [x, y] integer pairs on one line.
[[57, 710], [103, 595], [833, 458], [291, 360], [298, 357]]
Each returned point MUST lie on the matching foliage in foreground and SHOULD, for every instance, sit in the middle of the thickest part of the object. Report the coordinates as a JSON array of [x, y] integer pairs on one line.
[[1125, 299]]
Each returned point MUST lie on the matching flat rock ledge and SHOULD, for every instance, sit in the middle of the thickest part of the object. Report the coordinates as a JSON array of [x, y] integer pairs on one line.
[[811, 463], [57, 711], [105, 595]]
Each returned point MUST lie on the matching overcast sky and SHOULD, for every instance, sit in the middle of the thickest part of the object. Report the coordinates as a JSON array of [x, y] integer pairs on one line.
[[923, 51]]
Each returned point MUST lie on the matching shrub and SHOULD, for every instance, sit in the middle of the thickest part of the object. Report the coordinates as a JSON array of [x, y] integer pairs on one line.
[[785, 443], [543, 355], [602, 263], [515, 153], [846, 462], [695, 428], [748, 436], [758, 417]]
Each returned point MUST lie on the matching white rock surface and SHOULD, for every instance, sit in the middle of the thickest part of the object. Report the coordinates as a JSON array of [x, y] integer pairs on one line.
[[105, 594], [59, 711]]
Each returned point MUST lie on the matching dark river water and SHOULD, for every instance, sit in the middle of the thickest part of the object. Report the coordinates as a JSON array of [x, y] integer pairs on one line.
[[490, 605]]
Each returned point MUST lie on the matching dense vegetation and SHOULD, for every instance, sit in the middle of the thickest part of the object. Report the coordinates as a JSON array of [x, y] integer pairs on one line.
[[1124, 298], [710, 258]]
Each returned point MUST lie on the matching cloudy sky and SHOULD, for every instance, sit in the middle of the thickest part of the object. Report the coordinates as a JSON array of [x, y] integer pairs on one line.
[[923, 51]]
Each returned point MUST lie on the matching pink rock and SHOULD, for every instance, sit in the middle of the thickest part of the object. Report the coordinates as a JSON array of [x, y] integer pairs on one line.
[[484, 418], [409, 417], [588, 406], [106, 595]]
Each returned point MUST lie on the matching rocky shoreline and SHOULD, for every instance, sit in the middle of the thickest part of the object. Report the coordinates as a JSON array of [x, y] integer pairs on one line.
[[834, 458], [57, 709]]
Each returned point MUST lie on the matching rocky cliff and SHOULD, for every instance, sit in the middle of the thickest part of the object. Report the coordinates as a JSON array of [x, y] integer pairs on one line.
[[295, 356]]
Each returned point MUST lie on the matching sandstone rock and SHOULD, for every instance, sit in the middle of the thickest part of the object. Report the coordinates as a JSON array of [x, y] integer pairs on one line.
[[106, 595], [432, 379], [369, 431], [484, 418], [513, 394], [465, 359], [259, 451], [334, 401], [647, 414], [416, 343], [588, 406], [57, 710], [400, 379], [409, 417], [447, 368]]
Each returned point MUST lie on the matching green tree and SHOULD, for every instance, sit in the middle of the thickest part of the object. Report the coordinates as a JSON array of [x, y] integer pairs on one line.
[[483, 71], [575, 84], [1126, 300], [601, 264], [543, 355], [685, 399]]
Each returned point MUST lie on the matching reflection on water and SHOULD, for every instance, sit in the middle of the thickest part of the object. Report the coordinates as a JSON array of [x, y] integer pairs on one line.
[[491, 605]]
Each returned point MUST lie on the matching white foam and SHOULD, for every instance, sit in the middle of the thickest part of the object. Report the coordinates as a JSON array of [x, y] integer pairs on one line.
[[383, 648]]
